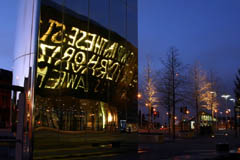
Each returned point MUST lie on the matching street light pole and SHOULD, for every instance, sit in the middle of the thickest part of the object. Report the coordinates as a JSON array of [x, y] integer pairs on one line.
[[226, 96], [139, 96], [234, 109], [213, 93]]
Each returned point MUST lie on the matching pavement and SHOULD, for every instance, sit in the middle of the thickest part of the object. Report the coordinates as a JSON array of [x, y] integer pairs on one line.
[[124, 146]]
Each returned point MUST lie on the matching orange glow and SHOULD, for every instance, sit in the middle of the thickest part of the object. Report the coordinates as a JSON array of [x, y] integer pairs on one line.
[[187, 111], [139, 95]]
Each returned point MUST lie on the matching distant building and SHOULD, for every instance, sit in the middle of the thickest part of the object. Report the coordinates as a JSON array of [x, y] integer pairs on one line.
[[5, 98]]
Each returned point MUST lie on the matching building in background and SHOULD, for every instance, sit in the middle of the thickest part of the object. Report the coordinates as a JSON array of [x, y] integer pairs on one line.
[[78, 62], [5, 98]]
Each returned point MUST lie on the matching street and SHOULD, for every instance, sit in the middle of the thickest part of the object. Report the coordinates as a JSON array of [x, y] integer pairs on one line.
[[181, 149]]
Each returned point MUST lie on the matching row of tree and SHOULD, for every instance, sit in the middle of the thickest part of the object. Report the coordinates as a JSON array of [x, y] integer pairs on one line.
[[176, 84]]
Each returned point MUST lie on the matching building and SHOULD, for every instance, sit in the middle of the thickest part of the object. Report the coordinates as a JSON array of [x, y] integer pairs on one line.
[[5, 98], [78, 62]]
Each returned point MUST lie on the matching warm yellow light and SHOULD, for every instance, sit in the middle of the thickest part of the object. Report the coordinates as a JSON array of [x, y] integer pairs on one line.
[[29, 94], [187, 111], [109, 117], [139, 95], [175, 117], [215, 110]]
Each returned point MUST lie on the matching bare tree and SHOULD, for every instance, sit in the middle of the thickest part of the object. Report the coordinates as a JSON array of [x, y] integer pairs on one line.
[[203, 92], [171, 82], [149, 92]]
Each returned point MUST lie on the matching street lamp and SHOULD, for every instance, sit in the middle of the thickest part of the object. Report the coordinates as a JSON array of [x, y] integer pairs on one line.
[[235, 120], [226, 96], [232, 99], [139, 95]]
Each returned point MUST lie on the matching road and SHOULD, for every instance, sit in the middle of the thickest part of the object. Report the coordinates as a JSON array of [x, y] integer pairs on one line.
[[181, 149]]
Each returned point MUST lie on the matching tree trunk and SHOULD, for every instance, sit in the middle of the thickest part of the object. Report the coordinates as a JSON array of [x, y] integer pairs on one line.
[[173, 96], [197, 117]]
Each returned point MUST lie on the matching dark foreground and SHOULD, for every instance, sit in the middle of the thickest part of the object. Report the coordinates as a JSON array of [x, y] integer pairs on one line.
[[131, 147]]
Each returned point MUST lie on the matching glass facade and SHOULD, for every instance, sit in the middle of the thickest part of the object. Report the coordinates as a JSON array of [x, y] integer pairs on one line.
[[79, 69]]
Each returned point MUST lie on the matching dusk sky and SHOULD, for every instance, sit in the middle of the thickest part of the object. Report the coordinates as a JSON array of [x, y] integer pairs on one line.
[[207, 31]]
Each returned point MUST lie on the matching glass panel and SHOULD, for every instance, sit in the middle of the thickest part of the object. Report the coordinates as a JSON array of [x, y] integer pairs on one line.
[[86, 73], [117, 18], [99, 12], [132, 24], [80, 7]]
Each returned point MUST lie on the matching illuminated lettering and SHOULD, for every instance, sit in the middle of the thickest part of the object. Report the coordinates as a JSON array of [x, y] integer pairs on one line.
[[59, 34], [98, 45], [68, 55], [110, 52], [50, 28], [81, 83], [104, 42], [94, 62], [55, 52], [121, 51], [54, 82], [73, 37], [71, 79], [41, 72], [90, 42], [80, 59], [78, 53], [112, 69], [103, 72], [80, 40], [63, 79], [44, 48], [124, 58], [118, 75]]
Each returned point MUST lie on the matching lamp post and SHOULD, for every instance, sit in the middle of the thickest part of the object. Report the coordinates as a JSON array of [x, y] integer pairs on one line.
[[233, 100], [226, 96], [227, 112], [139, 96]]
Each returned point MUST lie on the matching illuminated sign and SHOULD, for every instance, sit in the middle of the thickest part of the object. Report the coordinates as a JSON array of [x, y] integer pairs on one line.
[[73, 57]]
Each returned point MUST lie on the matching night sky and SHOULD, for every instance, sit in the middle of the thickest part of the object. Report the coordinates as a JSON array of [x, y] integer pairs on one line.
[[202, 30], [207, 31]]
